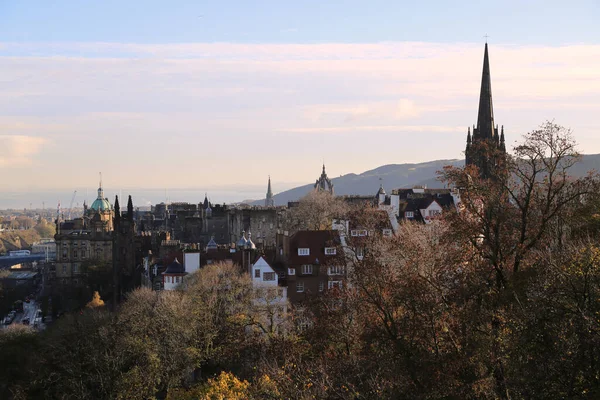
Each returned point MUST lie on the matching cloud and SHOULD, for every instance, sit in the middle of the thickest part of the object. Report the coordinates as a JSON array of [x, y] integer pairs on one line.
[[377, 128], [19, 150], [295, 102]]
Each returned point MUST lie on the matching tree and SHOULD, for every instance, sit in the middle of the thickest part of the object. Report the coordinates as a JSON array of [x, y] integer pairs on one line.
[[523, 208], [96, 301], [316, 211], [44, 229]]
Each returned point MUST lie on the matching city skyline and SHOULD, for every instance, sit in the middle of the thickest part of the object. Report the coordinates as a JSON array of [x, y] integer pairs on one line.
[[211, 108]]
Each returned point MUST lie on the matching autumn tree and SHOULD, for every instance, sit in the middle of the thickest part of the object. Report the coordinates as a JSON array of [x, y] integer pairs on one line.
[[521, 209], [316, 211], [96, 301]]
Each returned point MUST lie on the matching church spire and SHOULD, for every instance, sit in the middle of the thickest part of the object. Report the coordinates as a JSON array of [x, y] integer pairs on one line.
[[485, 118], [269, 200]]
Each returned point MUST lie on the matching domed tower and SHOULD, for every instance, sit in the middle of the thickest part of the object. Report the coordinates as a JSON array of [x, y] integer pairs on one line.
[[101, 212]]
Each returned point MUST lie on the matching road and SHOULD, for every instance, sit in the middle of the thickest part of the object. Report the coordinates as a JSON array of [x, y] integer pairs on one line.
[[29, 311]]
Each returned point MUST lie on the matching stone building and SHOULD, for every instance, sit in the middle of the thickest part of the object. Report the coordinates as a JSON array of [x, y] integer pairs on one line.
[[127, 254], [86, 238], [263, 222]]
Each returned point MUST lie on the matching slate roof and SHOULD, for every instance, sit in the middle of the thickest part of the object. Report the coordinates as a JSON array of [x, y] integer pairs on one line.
[[175, 268]]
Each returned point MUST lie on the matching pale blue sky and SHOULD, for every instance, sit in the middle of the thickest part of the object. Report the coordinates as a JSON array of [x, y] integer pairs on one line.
[[308, 21], [229, 92]]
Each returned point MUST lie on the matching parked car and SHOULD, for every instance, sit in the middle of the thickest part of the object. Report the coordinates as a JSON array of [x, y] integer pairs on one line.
[[25, 321], [8, 320]]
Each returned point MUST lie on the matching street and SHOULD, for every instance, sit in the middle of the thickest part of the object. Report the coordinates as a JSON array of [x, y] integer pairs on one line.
[[29, 311]]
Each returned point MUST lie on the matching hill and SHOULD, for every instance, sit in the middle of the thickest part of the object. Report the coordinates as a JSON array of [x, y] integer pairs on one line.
[[395, 176]]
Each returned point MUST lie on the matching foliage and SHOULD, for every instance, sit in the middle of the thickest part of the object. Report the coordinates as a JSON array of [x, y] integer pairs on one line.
[[96, 301]]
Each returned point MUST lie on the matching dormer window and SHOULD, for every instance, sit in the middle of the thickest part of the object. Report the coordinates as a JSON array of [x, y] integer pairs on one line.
[[409, 214], [303, 251], [330, 251]]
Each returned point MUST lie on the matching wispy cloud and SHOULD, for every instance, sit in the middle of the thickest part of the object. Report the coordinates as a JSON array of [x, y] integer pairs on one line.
[[19, 150], [147, 102]]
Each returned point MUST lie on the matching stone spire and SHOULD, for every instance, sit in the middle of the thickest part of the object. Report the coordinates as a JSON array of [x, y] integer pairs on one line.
[[130, 209], [269, 200], [485, 118], [117, 211], [484, 142]]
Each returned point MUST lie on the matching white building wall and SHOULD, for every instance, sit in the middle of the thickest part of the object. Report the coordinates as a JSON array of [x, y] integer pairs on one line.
[[172, 281], [191, 262]]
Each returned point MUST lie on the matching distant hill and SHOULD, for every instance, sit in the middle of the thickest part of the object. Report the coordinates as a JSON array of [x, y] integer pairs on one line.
[[395, 176]]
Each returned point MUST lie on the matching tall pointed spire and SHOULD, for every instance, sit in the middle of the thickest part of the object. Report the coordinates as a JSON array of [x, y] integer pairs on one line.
[[117, 212], [484, 142], [269, 200], [485, 117], [130, 209]]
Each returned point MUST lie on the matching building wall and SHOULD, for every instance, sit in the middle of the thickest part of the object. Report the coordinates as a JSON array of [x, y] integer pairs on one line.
[[170, 282], [262, 222]]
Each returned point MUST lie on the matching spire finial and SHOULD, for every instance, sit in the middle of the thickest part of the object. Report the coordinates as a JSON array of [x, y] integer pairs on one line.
[[486, 37], [100, 173]]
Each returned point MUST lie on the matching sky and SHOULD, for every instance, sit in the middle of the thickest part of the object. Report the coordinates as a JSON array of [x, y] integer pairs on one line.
[[188, 97]]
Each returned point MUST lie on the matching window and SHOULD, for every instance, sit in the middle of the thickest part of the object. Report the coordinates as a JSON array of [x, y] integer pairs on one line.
[[74, 253], [330, 251], [257, 273], [360, 252], [335, 270], [291, 271], [387, 232], [64, 268], [75, 268], [321, 286], [302, 251], [334, 284], [307, 269], [83, 254], [358, 232], [269, 276], [409, 214], [300, 287], [433, 213]]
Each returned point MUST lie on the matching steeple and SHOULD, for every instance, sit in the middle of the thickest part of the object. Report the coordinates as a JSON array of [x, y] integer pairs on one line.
[[485, 117], [269, 200], [484, 145], [130, 209], [117, 211], [100, 190]]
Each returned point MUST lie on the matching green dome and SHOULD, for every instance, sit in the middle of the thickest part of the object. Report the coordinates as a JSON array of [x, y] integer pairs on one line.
[[101, 204]]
